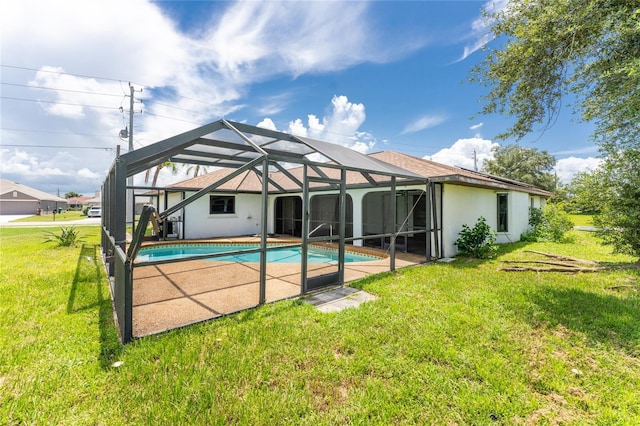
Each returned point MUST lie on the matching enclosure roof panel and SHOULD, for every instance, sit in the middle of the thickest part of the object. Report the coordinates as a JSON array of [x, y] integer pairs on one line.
[[229, 143]]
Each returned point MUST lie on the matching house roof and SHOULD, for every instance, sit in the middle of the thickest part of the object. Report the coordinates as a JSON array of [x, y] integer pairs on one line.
[[438, 172], [7, 186], [78, 200], [249, 181]]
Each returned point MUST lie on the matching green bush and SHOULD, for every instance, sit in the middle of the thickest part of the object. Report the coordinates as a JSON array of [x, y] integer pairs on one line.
[[549, 223], [477, 241], [68, 237]]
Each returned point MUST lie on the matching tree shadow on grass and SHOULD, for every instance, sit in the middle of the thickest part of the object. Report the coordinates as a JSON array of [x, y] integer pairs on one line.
[[607, 319], [88, 292]]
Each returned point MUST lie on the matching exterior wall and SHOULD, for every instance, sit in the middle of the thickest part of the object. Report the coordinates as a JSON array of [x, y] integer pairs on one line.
[[518, 217], [465, 205], [200, 224], [17, 202], [460, 205], [537, 201]]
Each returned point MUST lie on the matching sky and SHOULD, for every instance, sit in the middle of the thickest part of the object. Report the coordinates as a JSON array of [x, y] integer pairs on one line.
[[374, 76]]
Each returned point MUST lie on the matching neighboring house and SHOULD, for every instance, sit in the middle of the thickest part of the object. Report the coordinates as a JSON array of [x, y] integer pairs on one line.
[[96, 200], [78, 203], [18, 199], [459, 197]]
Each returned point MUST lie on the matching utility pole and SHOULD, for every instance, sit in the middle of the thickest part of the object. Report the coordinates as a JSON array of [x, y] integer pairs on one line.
[[130, 117], [475, 160], [130, 203], [128, 133]]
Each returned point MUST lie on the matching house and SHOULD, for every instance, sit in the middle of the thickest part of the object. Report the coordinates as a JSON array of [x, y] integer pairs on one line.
[[460, 197], [267, 184], [18, 199], [78, 203]]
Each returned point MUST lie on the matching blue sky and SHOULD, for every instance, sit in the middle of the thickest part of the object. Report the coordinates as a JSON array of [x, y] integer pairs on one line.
[[371, 75]]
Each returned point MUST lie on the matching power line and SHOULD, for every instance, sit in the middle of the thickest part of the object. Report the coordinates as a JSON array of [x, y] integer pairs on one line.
[[150, 102], [416, 148], [61, 90], [56, 102], [60, 72], [106, 148], [171, 118], [99, 78], [55, 132]]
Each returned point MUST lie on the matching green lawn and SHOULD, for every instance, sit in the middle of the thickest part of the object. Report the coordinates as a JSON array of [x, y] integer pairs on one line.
[[458, 343], [582, 219], [61, 217]]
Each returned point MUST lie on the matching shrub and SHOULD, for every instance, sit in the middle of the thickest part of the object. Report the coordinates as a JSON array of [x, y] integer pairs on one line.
[[549, 223], [68, 237], [477, 241]]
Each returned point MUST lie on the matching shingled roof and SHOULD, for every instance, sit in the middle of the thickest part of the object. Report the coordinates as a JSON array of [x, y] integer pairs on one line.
[[438, 172], [7, 186], [249, 181]]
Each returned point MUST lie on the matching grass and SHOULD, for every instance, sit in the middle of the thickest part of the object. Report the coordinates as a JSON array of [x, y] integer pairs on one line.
[[582, 219], [58, 217], [457, 343]]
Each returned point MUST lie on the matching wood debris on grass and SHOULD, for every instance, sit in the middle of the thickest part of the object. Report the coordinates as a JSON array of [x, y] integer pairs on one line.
[[559, 264]]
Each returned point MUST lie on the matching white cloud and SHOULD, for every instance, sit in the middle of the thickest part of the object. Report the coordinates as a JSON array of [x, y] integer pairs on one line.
[[476, 126], [566, 168], [267, 123], [296, 127], [422, 123], [461, 153], [189, 78], [480, 33], [339, 126], [88, 174]]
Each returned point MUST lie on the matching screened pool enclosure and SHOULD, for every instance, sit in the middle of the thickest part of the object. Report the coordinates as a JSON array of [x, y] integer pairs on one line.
[[264, 185]]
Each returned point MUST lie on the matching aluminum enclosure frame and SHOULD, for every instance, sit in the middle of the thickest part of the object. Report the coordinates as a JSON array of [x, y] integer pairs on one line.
[[244, 148]]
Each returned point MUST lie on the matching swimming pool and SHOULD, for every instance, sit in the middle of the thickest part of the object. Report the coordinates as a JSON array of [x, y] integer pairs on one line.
[[281, 255]]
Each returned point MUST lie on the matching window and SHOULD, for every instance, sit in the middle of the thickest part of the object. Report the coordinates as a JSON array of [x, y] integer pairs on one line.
[[219, 204], [503, 213]]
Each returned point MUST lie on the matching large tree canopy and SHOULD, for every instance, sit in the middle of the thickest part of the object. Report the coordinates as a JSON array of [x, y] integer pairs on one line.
[[527, 165], [590, 48]]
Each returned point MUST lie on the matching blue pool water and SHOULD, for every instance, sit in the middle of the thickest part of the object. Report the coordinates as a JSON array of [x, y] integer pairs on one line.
[[282, 255]]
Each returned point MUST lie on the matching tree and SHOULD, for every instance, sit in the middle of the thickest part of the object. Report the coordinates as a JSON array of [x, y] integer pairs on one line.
[[619, 220], [72, 194], [588, 49], [588, 192], [156, 173], [527, 165], [196, 169]]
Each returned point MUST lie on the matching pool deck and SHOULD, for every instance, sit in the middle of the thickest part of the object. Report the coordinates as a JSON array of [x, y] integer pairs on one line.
[[176, 294]]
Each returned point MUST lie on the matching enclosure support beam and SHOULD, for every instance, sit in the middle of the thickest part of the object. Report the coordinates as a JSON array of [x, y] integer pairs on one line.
[[305, 230], [119, 204], [210, 188], [430, 234], [289, 175], [342, 225], [394, 221], [263, 233], [434, 209]]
